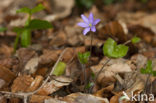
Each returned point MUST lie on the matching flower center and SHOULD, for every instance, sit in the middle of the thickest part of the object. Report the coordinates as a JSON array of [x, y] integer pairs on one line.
[[90, 25]]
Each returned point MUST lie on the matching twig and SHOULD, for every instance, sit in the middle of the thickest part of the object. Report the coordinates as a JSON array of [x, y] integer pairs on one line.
[[25, 96], [101, 69]]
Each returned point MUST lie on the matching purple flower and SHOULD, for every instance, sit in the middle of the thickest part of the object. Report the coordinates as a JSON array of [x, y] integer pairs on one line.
[[89, 23]]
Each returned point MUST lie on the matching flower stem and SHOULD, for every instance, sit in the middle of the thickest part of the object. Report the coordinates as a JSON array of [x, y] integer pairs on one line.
[[16, 42], [91, 36], [84, 75], [146, 83]]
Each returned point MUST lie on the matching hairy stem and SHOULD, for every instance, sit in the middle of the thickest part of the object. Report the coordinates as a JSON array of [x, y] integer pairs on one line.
[[16, 42]]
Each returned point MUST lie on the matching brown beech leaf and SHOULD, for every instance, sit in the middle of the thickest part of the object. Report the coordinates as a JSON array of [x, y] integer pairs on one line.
[[58, 39], [6, 74], [84, 98], [21, 83], [139, 18], [26, 83], [38, 98], [116, 29], [31, 65], [3, 99], [6, 50], [54, 85], [36, 83], [61, 9]]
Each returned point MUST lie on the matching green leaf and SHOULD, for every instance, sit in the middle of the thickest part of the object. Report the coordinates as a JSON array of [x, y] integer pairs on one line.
[[85, 3], [89, 85], [135, 40], [2, 29], [148, 69], [31, 11], [83, 57], [26, 37], [39, 24], [37, 8], [111, 49], [60, 69], [108, 2], [24, 10], [154, 73]]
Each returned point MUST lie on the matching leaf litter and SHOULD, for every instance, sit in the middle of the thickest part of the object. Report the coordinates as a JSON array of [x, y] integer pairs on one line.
[[29, 75]]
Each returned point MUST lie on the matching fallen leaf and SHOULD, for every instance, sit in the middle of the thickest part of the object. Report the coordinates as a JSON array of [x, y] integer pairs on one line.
[[31, 65], [35, 84], [59, 39], [38, 98], [139, 18], [6, 74], [52, 100], [3, 99], [54, 85], [21, 83], [115, 29], [2, 83], [84, 98], [61, 9]]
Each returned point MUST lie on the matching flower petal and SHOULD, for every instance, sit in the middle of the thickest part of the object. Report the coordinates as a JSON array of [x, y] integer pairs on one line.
[[85, 19], [91, 18], [93, 29], [82, 24], [86, 30], [96, 21]]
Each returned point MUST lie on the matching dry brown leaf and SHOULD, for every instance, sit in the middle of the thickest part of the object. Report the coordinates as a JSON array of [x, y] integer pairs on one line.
[[61, 9], [31, 65], [84, 98], [52, 100], [116, 29], [54, 85], [6, 74], [2, 83], [105, 92], [139, 18], [58, 40], [3, 100], [36, 83], [95, 42], [38, 98], [22, 83], [5, 50], [114, 66], [24, 55], [73, 35]]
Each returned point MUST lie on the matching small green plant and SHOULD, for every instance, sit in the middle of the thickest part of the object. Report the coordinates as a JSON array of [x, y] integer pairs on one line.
[[111, 49], [135, 40], [83, 57], [3, 29], [85, 3], [148, 69], [108, 2], [60, 69], [24, 33]]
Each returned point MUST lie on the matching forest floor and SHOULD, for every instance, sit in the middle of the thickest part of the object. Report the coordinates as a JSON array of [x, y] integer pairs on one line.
[[27, 75]]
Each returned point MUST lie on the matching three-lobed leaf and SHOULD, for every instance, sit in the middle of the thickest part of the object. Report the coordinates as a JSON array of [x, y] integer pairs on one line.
[[31, 11], [135, 40], [148, 69], [2, 29], [111, 49], [38, 8], [24, 10], [60, 69], [39, 24], [83, 57]]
